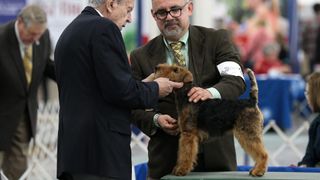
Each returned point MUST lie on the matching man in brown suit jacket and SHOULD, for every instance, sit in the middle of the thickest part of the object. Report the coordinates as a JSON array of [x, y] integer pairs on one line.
[[215, 64]]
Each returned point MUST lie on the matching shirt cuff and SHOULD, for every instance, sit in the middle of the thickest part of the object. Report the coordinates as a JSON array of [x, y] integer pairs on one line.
[[215, 93]]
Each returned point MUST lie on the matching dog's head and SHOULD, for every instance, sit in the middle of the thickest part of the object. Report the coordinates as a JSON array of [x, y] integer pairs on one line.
[[174, 73]]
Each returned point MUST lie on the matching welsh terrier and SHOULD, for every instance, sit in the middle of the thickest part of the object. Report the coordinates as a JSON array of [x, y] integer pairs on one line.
[[215, 117]]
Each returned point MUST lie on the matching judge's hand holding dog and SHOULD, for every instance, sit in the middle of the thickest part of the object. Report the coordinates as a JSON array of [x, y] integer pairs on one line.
[[165, 85]]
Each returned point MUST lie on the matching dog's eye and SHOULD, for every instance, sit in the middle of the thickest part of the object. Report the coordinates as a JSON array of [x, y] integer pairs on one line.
[[175, 69]]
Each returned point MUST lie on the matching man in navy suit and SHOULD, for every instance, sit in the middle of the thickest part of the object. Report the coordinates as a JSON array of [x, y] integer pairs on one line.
[[20, 77], [97, 93]]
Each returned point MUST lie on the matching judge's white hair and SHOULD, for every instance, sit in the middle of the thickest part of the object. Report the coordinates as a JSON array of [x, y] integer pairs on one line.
[[96, 3]]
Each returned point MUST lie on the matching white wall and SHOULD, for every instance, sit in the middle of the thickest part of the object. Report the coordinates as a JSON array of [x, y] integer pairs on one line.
[[149, 25], [60, 13], [206, 12]]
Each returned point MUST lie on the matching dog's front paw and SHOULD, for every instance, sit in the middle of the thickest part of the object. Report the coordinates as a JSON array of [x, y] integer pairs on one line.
[[180, 171], [256, 172]]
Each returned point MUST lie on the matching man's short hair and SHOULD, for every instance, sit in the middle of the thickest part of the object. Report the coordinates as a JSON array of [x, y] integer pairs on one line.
[[316, 8], [271, 48], [33, 14], [96, 3]]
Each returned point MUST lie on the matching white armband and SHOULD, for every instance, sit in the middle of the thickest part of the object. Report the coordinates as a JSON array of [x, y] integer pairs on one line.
[[230, 68]]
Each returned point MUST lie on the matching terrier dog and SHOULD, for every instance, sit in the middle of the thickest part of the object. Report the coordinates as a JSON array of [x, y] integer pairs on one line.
[[214, 118]]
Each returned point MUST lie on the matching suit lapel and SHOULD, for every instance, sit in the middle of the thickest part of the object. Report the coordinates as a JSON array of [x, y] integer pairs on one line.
[[16, 54], [196, 53], [157, 52]]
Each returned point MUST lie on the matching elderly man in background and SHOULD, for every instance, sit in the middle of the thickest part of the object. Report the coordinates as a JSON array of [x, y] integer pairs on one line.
[[24, 61]]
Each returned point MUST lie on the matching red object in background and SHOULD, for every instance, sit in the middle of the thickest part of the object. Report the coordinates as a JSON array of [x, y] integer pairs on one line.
[[144, 39], [241, 39], [263, 66]]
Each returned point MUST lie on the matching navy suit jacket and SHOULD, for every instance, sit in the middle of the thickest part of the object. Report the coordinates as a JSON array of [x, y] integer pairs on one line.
[[97, 92], [16, 98]]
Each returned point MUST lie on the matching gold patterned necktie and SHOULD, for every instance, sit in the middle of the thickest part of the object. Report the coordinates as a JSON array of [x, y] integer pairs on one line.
[[176, 47], [27, 63]]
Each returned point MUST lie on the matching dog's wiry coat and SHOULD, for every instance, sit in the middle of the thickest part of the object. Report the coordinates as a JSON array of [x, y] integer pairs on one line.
[[214, 118]]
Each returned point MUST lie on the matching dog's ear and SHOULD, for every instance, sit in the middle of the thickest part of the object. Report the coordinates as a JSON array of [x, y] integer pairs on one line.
[[188, 77]]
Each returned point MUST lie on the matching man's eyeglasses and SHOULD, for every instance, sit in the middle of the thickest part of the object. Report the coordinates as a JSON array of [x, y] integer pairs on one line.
[[174, 12]]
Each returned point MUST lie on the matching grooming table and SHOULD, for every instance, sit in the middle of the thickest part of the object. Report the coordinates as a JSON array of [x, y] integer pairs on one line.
[[244, 176]]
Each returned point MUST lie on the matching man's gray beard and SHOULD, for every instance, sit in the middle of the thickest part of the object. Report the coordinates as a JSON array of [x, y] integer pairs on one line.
[[172, 33]]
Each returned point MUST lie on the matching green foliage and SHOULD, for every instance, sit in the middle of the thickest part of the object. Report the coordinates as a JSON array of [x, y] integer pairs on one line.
[[130, 39]]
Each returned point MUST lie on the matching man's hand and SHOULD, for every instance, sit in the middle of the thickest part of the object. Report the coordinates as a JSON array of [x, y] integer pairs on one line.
[[168, 124], [197, 93], [166, 86]]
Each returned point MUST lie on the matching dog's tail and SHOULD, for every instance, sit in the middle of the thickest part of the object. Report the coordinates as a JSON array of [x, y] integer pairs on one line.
[[254, 86]]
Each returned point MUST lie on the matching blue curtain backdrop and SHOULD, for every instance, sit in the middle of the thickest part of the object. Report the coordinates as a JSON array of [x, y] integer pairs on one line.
[[9, 9]]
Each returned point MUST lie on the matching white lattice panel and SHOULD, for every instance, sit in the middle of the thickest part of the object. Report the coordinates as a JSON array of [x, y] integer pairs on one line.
[[43, 152]]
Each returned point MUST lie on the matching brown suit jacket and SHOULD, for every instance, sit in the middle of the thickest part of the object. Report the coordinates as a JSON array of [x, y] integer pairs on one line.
[[207, 49], [16, 98]]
